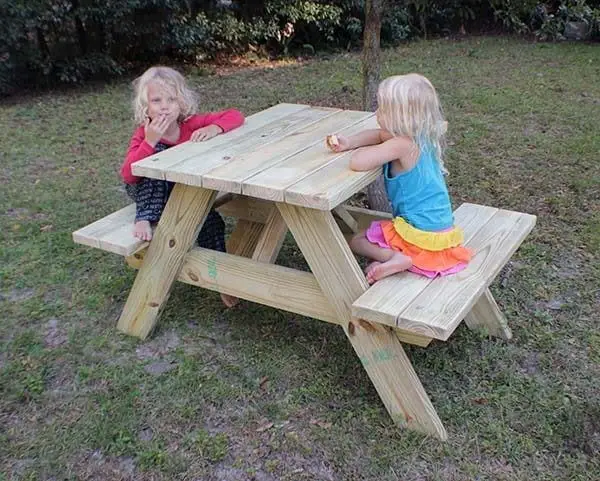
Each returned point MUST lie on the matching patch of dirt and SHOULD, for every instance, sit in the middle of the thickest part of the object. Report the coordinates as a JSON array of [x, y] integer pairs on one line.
[[225, 473], [96, 466], [55, 335], [499, 468], [160, 367], [146, 434], [159, 347], [17, 295], [530, 363], [22, 213], [40, 167], [19, 467]]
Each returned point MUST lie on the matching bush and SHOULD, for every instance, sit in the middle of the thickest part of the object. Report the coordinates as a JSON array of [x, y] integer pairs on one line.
[[69, 41]]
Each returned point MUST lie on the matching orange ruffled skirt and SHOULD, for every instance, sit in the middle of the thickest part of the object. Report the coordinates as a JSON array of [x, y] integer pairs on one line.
[[433, 253]]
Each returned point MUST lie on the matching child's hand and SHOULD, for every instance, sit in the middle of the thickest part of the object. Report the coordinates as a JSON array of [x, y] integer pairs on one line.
[[206, 133], [338, 143], [156, 128]]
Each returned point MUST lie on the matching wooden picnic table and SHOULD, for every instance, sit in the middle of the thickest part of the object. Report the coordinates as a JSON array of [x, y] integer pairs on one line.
[[278, 155], [273, 174]]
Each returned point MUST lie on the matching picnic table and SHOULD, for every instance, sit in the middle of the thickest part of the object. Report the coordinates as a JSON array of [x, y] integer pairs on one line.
[[275, 173]]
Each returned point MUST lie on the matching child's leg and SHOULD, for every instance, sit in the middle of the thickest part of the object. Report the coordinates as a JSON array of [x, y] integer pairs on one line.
[[387, 261], [212, 236], [150, 196]]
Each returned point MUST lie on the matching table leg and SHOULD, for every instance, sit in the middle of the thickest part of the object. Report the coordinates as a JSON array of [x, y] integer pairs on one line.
[[486, 315], [377, 346], [174, 236]]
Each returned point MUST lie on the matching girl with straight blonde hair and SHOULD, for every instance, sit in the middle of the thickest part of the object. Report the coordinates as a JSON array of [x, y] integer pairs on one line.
[[409, 146], [165, 112]]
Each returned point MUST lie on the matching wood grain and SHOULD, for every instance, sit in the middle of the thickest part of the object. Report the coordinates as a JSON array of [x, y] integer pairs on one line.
[[377, 346], [175, 234], [389, 297]]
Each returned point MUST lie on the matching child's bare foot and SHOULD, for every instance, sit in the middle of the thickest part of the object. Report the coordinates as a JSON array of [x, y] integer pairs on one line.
[[369, 269], [378, 270], [142, 230], [228, 300]]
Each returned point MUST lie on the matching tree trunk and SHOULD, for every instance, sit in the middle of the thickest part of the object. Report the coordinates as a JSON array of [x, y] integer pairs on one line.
[[81, 33], [371, 63]]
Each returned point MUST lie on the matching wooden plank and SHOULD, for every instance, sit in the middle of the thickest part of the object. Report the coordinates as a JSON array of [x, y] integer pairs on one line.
[[191, 171], [156, 165], [271, 239], [242, 241], [390, 296], [230, 176], [247, 208], [326, 255], [272, 182], [330, 186], [113, 233], [341, 212], [175, 234], [440, 307], [486, 316], [364, 217], [260, 282], [342, 281]]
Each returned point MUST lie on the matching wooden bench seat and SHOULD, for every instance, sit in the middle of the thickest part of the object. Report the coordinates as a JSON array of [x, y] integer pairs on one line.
[[434, 308], [114, 233], [419, 307]]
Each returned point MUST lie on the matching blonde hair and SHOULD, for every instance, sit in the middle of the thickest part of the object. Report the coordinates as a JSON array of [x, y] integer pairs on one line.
[[408, 105], [173, 82]]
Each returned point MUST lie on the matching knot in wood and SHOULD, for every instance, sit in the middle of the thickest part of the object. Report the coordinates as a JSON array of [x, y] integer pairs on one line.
[[172, 242], [351, 328]]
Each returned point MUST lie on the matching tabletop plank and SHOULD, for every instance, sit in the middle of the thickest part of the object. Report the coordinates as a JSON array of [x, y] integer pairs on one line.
[[229, 177], [328, 187], [278, 154], [156, 166], [192, 171], [271, 183]]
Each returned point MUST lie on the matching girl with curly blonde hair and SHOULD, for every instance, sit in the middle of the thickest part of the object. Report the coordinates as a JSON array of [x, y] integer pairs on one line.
[[165, 111]]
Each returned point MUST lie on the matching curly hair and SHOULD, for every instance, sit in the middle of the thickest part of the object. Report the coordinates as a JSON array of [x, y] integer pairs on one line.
[[173, 82]]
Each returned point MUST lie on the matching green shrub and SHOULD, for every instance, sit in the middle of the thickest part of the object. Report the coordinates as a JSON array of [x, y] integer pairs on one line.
[[69, 41]]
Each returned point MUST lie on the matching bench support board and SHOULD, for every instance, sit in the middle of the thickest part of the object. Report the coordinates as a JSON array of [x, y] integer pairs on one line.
[[485, 315]]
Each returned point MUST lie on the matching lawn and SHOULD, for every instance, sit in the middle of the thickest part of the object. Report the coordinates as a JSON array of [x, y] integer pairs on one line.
[[258, 394]]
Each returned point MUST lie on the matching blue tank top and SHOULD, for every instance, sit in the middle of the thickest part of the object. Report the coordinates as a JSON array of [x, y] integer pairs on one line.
[[420, 195]]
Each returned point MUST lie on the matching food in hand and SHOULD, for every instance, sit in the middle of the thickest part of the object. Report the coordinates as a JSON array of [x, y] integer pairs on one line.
[[332, 141]]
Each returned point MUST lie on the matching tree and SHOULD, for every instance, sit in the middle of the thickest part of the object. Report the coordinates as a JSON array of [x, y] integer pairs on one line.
[[371, 64]]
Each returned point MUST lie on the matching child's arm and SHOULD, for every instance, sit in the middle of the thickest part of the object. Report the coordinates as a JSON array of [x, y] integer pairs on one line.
[[373, 156], [206, 126], [138, 149], [340, 143]]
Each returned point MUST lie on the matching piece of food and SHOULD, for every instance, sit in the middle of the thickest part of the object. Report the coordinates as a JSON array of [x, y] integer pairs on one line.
[[332, 141]]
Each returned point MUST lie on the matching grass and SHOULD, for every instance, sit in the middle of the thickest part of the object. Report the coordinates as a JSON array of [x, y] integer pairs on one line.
[[255, 393]]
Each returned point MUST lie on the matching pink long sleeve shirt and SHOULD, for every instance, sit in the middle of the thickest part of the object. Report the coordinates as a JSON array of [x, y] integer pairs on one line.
[[140, 149]]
